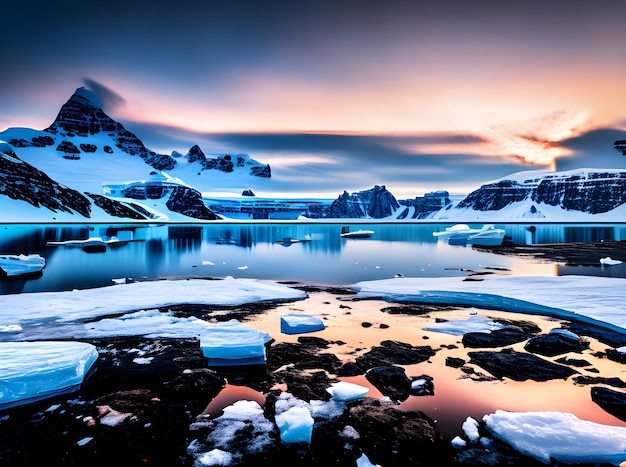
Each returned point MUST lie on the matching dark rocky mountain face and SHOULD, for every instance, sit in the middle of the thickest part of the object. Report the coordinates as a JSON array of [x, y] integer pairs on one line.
[[427, 204], [376, 203], [23, 182], [189, 202], [80, 117], [227, 163], [589, 192]]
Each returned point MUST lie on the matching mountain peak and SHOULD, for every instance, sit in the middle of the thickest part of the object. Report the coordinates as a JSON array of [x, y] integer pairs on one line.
[[87, 95]]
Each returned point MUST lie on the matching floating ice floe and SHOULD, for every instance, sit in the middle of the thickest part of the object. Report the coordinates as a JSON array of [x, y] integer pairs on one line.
[[608, 261], [596, 300], [31, 371], [232, 343], [300, 324], [21, 265], [459, 327]]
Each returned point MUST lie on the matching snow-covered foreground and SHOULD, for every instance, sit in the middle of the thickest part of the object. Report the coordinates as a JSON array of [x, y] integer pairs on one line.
[[543, 435]]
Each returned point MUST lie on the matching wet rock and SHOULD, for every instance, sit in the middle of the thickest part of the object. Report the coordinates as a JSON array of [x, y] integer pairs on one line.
[[614, 402], [616, 356], [394, 353], [519, 366], [391, 381], [575, 362], [422, 386], [497, 338], [614, 381], [301, 356], [455, 362], [550, 345], [390, 436]]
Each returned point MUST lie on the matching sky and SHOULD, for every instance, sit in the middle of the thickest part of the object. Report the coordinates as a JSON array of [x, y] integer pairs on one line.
[[336, 95]]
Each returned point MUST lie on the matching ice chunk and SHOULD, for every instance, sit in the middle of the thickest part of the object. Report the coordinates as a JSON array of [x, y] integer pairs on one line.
[[565, 333], [19, 265], [299, 324], [295, 425], [474, 323], [347, 392], [458, 442], [561, 436], [232, 343], [35, 370], [216, 457], [608, 261], [470, 428], [364, 461]]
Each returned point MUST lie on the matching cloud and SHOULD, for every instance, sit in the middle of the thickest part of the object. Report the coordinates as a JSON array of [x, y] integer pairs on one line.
[[111, 100]]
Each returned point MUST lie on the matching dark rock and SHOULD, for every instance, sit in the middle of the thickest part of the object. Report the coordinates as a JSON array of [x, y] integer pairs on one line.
[[614, 381], [350, 369], [394, 353], [376, 203], [86, 147], [108, 149], [592, 192], [314, 341], [427, 388], [455, 362], [429, 203], [614, 402], [616, 356], [390, 436], [188, 201], [116, 208], [575, 362], [301, 356], [366, 324], [391, 381], [550, 345], [519, 366], [22, 181], [496, 338]]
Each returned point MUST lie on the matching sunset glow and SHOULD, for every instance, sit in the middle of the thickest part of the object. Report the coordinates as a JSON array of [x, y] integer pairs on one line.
[[522, 80]]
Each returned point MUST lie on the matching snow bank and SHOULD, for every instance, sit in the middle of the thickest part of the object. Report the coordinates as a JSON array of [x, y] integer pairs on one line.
[[561, 436], [92, 303]]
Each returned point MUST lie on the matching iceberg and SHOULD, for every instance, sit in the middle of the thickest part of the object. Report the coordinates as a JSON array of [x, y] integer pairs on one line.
[[300, 324], [31, 371], [21, 265], [232, 343]]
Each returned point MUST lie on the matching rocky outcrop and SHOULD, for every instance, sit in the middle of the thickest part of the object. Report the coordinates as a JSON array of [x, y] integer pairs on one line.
[[427, 204], [376, 203], [227, 163], [187, 201], [79, 116], [587, 191], [22, 181]]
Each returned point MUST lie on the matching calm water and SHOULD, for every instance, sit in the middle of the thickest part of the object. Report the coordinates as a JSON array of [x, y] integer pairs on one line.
[[257, 251]]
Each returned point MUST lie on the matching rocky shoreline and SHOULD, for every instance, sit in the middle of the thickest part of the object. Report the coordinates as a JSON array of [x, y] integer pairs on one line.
[[152, 414]]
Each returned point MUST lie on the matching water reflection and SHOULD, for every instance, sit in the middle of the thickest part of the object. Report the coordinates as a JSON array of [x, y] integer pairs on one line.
[[259, 251]]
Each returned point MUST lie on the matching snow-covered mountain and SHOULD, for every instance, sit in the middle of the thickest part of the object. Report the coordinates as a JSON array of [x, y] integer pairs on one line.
[[84, 148], [28, 194], [581, 194]]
